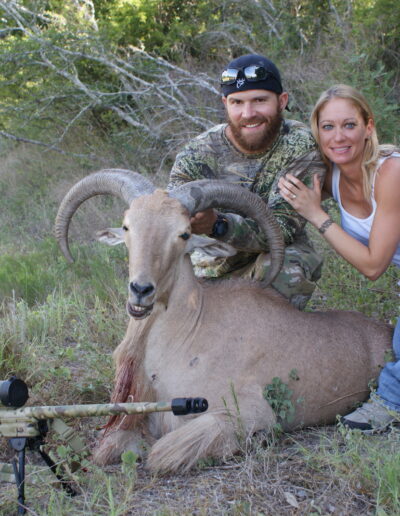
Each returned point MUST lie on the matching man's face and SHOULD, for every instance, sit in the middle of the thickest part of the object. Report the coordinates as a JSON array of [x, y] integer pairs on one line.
[[254, 118]]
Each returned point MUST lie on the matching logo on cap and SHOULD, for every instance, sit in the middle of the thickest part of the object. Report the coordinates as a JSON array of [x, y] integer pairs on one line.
[[239, 83]]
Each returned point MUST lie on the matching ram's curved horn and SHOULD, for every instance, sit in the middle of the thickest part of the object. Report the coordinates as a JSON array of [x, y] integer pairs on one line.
[[123, 184], [200, 195]]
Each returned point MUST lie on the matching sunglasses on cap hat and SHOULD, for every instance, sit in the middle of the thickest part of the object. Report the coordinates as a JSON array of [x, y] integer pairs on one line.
[[252, 73]]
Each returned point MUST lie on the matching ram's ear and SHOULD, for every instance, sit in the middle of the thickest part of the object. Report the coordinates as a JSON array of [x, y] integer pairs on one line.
[[210, 247], [110, 236]]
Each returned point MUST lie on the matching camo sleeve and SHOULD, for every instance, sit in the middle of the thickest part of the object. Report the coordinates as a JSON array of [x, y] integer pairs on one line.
[[245, 235]]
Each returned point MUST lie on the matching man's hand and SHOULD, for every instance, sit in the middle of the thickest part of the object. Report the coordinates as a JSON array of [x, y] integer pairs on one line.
[[203, 222]]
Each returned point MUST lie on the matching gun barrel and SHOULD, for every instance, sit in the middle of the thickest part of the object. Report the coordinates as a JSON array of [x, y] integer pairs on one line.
[[179, 406], [87, 410]]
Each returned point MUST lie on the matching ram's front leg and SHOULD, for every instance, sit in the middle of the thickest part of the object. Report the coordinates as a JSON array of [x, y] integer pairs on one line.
[[126, 432], [116, 442], [207, 435], [215, 434]]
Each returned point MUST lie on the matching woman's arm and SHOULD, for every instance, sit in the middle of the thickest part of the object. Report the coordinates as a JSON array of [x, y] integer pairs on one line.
[[371, 260], [385, 231]]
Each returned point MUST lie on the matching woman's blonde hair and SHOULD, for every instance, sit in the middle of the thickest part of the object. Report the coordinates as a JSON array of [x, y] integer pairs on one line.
[[372, 150]]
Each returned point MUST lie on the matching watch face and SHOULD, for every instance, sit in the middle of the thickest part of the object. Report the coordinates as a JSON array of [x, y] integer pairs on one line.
[[220, 227]]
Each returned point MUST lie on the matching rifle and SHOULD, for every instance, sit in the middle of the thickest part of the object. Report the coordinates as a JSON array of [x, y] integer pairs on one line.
[[27, 427]]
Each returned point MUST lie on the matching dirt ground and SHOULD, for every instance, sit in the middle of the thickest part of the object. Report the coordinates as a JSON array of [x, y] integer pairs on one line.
[[288, 477]]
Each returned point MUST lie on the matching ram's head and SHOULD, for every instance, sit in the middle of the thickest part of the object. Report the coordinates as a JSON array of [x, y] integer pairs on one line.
[[156, 228]]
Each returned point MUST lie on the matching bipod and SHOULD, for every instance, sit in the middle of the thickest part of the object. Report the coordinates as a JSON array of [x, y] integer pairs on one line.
[[27, 427], [20, 444]]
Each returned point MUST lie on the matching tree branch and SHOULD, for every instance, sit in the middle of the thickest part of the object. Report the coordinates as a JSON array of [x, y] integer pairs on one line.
[[43, 144]]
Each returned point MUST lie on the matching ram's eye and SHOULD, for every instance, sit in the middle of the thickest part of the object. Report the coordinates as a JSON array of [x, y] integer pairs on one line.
[[185, 236], [125, 228]]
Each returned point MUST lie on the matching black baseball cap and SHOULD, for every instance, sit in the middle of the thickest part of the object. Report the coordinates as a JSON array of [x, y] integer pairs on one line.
[[250, 72]]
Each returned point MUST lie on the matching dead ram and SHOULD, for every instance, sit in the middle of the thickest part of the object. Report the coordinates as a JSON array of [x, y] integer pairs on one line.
[[225, 340]]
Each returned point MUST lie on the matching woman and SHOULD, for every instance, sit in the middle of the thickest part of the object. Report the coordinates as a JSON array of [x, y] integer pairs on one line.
[[364, 178]]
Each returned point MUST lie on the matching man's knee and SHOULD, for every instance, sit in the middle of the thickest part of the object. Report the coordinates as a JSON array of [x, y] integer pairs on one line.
[[296, 284], [296, 280]]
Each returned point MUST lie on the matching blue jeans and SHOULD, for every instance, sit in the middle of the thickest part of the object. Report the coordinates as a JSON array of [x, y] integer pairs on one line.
[[389, 379]]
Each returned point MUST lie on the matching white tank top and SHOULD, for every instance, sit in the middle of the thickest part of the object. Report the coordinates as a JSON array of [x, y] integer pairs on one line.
[[355, 227]]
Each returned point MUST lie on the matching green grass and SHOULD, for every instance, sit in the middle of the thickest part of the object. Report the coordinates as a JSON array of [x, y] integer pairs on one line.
[[98, 271], [342, 287], [368, 465]]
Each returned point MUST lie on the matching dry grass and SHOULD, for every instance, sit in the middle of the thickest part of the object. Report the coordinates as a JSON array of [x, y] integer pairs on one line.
[[311, 472]]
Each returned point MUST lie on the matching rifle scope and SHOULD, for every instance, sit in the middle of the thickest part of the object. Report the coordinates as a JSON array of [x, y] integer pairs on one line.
[[13, 392]]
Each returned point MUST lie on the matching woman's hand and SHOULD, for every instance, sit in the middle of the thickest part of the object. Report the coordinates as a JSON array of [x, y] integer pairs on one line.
[[306, 201]]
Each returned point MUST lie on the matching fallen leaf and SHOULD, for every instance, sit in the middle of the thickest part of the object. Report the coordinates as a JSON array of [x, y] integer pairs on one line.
[[291, 499]]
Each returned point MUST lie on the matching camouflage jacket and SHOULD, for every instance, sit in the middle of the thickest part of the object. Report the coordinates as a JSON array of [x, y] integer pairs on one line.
[[211, 155]]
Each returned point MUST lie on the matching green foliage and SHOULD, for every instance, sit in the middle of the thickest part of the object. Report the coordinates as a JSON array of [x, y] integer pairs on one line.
[[279, 396], [381, 21], [207, 462], [129, 464], [30, 79], [157, 26]]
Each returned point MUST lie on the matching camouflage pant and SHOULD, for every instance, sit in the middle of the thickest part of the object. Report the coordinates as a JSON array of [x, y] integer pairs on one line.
[[295, 281]]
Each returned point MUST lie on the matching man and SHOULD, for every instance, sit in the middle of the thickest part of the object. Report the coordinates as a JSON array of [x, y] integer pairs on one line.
[[254, 149]]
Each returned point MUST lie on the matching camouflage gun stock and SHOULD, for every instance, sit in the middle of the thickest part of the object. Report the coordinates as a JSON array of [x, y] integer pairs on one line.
[[26, 427]]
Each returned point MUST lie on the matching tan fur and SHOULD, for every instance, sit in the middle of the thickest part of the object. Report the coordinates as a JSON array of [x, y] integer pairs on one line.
[[225, 341]]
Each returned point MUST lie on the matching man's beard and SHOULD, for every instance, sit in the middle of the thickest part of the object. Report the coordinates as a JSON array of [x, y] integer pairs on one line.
[[259, 142]]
